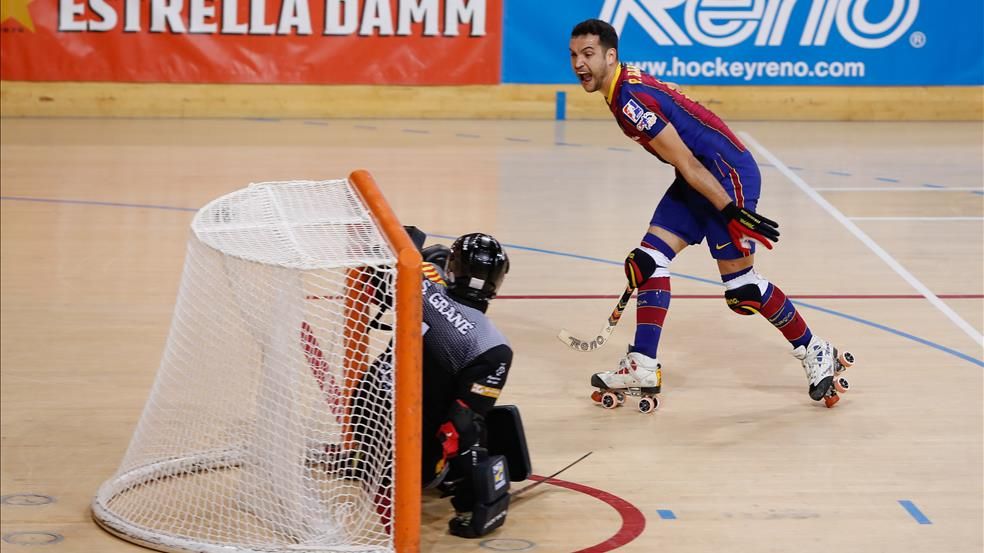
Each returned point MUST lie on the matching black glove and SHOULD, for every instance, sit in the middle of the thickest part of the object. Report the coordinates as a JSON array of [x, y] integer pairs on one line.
[[744, 225], [437, 254], [417, 236]]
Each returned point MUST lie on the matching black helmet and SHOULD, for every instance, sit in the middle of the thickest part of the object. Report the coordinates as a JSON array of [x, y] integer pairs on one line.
[[476, 267]]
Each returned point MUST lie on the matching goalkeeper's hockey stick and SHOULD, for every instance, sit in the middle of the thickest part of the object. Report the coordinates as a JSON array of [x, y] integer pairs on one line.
[[578, 344], [529, 487]]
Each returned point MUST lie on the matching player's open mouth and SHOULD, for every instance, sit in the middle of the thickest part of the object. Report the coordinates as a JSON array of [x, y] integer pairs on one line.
[[585, 77]]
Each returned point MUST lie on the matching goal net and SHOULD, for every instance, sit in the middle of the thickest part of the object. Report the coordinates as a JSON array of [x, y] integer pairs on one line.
[[277, 421]]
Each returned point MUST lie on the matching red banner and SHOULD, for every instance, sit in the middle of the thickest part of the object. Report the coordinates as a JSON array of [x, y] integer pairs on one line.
[[397, 42]]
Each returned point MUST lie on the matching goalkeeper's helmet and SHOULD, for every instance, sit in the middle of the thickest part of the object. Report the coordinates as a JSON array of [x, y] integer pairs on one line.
[[476, 267]]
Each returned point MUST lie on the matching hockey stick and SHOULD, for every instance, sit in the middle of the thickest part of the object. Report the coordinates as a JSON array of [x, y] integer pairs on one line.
[[601, 339], [529, 487]]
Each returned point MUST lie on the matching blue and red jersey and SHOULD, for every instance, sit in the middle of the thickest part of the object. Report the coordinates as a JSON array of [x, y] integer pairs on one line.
[[643, 106]]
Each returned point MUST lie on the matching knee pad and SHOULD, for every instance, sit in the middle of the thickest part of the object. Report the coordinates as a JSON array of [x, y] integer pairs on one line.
[[744, 300], [744, 294], [643, 264]]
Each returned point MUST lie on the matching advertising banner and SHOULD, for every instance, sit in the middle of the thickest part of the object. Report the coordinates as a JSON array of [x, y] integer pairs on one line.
[[759, 42], [398, 42]]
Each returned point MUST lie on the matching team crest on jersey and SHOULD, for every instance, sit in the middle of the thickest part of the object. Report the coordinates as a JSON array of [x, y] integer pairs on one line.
[[633, 111], [647, 121]]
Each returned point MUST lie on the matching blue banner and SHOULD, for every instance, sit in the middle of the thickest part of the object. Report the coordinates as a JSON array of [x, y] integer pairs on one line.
[[758, 42]]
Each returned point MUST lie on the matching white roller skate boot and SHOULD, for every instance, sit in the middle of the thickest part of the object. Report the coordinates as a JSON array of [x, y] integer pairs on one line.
[[636, 375], [823, 365]]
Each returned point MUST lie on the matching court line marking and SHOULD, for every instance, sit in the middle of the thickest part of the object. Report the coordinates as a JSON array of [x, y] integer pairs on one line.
[[916, 218], [461, 135], [666, 514], [719, 296], [924, 188], [890, 330], [633, 521], [914, 511], [879, 326], [867, 241], [866, 322], [94, 202]]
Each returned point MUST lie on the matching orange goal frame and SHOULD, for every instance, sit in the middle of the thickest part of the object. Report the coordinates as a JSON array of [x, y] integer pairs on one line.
[[407, 362]]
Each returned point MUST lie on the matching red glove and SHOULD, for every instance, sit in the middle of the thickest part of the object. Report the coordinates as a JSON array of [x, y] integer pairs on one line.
[[447, 434], [744, 225]]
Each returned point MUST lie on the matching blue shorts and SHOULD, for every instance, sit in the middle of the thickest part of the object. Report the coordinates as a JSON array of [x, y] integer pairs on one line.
[[687, 214]]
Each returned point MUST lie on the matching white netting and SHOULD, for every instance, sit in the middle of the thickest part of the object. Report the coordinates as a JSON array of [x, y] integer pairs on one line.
[[270, 423]]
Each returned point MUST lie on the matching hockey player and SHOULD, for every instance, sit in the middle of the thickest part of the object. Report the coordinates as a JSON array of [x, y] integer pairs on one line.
[[466, 439], [466, 362], [713, 197]]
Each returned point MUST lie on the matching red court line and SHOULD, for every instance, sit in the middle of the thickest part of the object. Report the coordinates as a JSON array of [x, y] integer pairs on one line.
[[633, 521], [719, 296]]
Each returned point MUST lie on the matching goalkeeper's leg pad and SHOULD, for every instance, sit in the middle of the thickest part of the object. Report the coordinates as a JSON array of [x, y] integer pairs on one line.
[[482, 500], [507, 438]]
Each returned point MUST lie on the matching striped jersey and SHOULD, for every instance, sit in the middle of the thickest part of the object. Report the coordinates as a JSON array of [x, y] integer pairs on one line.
[[643, 105]]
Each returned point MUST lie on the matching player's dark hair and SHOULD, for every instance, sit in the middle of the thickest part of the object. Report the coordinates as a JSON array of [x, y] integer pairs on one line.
[[476, 267], [607, 36]]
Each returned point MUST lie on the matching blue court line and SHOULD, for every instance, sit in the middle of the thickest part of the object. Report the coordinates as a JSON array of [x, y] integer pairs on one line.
[[872, 324], [927, 185], [319, 123], [511, 139], [364, 127], [565, 144], [463, 135], [665, 514], [839, 173], [264, 119], [794, 168], [416, 131], [978, 192], [914, 511], [614, 149], [886, 179], [93, 202], [859, 320], [900, 333]]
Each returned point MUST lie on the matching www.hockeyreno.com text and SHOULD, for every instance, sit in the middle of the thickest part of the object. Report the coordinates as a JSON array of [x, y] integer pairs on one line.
[[750, 70]]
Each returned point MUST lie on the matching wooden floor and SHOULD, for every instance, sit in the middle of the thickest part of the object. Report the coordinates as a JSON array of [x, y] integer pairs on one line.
[[882, 245]]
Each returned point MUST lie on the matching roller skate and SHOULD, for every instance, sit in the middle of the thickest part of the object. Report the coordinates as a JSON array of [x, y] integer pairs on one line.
[[824, 365], [637, 375]]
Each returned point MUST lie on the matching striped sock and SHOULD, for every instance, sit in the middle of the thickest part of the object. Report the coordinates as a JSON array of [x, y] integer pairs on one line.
[[651, 307], [781, 312]]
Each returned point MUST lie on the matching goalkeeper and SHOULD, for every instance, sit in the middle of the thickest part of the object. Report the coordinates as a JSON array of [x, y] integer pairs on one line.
[[466, 439], [466, 361]]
